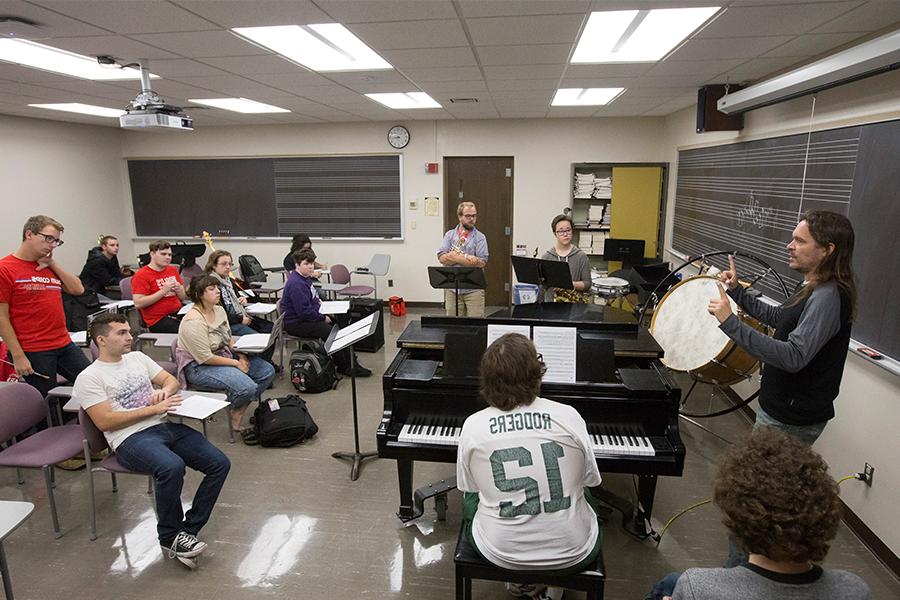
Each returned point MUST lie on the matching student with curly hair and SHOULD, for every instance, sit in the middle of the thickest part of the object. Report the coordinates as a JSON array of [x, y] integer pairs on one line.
[[781, 506]]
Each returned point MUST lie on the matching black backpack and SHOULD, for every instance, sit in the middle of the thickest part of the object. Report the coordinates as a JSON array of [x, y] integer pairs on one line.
[[283, 422], [312, 370], [77, 309], [251, 270]]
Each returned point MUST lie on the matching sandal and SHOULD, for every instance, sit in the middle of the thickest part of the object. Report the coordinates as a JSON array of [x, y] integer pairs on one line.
[[249, 437]]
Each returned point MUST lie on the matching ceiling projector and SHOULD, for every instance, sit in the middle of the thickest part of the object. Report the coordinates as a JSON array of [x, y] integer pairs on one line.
[[149, 112]]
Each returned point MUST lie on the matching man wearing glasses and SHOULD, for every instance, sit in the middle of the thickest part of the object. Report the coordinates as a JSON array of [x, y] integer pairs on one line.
[[32, 321], [467, 247]]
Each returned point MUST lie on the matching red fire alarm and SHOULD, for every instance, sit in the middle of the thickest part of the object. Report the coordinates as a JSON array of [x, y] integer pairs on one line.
[[431, 167]]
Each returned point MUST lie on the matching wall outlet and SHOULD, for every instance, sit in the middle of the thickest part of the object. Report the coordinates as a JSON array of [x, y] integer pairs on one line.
[[868, 473], [390, 283]]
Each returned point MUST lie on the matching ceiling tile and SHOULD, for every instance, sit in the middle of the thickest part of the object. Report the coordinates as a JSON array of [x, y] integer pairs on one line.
[[123, 48], [744, 47], [437, 33], [358, 78], [443, 74], [234, 85], [130, 17], [294, 82], [516, 85], [501, 8], [514, 113], [549, 29], [628, 107], [603, 71], [760, 68], [372, 11], [524, 72], [671, 106], [200, 44], [872, 16], [183, 67], [571, 111], [256, 13], [54, 24], [779, 19], [293, 117], [450, 86], [254, 65], [536, 54], [707, 68], [430, 57], [813, 44], [534, 97]]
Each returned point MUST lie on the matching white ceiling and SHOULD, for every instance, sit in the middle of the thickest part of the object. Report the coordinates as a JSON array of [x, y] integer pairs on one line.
[[509, 54]]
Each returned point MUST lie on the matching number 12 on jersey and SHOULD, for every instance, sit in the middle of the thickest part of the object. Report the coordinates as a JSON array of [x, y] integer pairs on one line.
[[552, 452]]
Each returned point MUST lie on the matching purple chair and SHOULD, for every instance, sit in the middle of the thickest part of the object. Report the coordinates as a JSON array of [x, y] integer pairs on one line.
[[196, 388], [340, 274], [21, 408], [125, 288], [94, 442], [189, 273]]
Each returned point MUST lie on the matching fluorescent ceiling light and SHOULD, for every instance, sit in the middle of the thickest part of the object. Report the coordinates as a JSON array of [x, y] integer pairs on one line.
[[46, 58], [84, 109], [585, 96], [323, 47], [241, 105], [405, 100], [637, 35]]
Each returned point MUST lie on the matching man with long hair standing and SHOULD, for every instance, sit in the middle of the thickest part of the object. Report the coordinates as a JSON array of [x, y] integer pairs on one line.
[[804, 359]]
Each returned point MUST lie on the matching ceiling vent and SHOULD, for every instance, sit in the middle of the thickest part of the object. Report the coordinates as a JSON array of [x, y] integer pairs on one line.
[[463, 100]]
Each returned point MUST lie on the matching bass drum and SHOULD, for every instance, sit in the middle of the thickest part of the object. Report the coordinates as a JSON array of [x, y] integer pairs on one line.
[[691, 337]]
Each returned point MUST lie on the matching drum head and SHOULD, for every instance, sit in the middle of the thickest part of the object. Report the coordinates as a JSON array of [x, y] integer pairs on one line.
[[688, 334]]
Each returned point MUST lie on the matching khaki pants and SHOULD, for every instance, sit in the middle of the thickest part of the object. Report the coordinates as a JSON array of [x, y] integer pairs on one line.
[[470, 305]]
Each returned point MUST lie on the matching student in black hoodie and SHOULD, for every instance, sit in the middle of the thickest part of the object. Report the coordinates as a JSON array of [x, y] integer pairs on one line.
[[102, 266]]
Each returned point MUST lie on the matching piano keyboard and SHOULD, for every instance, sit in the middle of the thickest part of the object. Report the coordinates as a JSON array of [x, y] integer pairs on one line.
[[606, 440]]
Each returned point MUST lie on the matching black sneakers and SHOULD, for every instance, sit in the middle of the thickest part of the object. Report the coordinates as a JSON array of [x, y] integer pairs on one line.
[[186, 548], [358, 371]]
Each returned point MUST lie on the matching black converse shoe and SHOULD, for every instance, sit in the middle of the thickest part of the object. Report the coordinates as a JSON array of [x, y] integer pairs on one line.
[[185, 547]]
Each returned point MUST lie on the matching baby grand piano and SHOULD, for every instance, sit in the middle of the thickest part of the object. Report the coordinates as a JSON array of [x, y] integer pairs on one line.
[[632, 416]]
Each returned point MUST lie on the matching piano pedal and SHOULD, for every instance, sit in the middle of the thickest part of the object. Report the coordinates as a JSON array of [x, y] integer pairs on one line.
[[438, 491]]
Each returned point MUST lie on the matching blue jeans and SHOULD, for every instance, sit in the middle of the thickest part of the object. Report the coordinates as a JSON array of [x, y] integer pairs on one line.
[[805, 433], [68, 361], [163, 451], [664, 587], [242, 388]]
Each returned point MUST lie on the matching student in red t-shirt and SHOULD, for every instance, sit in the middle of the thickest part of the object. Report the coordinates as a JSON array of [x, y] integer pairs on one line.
[[32, 321], [158, 290]]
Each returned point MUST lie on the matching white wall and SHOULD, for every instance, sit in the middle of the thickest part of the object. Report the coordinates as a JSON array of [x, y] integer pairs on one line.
[[543, 151], [69, 172], [868, 408]]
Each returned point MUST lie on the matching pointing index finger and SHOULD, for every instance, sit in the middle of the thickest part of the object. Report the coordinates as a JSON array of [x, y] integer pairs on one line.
[[731, 262]]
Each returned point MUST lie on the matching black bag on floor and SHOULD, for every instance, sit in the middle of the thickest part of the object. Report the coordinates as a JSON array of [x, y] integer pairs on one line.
[[312, 370], [283, 422]]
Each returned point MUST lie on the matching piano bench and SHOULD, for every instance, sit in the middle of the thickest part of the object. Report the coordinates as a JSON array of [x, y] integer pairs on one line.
[[469, 566]]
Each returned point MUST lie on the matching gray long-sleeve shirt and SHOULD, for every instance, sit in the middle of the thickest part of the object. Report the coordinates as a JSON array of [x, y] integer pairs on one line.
[[819, 322], [753, 583]]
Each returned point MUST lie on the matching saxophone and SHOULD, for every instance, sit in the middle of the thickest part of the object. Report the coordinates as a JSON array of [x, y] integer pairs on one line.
[[571, 296]]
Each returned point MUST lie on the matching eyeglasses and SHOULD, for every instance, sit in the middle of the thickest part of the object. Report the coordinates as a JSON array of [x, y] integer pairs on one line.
[[55, 241], [563, 231], [475, 216], [540, 358]]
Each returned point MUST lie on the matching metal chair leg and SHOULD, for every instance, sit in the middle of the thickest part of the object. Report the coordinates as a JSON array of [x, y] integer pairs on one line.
[[88, 467], [48, 479], [19, 477], [230, 426], [115, 482]]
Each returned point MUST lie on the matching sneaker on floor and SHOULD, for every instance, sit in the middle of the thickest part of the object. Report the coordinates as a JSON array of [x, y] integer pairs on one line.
[[185, 547], [72, 464], [525, 590], [359, 371], [552, 593]]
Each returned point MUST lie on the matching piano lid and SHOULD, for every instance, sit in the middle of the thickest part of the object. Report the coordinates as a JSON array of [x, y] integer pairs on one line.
[[587, 317]]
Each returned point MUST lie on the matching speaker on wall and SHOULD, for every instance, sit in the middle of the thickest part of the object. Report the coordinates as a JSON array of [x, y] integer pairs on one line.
[[708, 116]]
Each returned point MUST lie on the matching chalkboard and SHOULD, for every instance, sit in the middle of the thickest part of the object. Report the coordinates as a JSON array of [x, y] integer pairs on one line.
[[749, 196], [324, 197]]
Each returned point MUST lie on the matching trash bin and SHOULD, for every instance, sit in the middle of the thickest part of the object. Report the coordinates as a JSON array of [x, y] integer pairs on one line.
[[525, 293]]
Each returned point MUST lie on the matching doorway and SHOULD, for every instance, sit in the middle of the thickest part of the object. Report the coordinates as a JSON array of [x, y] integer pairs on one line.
[[488, 182]]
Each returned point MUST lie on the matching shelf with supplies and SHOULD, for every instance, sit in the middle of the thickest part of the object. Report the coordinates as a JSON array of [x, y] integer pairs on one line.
[[621, 201]]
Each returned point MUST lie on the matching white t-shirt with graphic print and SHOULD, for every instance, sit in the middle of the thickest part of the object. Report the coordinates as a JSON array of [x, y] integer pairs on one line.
[[530, 466], [125, 384]]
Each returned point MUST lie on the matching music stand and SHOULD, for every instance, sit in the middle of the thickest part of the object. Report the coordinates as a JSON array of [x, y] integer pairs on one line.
[[545, 273], [456, 278], [628, 252], [337, 341]]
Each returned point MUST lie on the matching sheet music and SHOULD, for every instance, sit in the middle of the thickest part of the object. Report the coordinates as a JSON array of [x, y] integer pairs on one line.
[[120, 304], [495, 331], [198, 407], [260, 309], [254, 340], [334, 307], [342, 341], [184, 309], [557, 345], [353, 327]]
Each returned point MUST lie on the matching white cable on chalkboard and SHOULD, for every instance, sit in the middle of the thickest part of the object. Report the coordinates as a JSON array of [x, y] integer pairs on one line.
[[812, 113]]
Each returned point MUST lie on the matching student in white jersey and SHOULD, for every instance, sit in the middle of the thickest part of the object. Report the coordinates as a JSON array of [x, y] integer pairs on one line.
[[525, 463]]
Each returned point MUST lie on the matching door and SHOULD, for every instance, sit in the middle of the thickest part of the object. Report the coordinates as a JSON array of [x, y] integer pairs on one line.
[[636, 194], [486, 181]]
